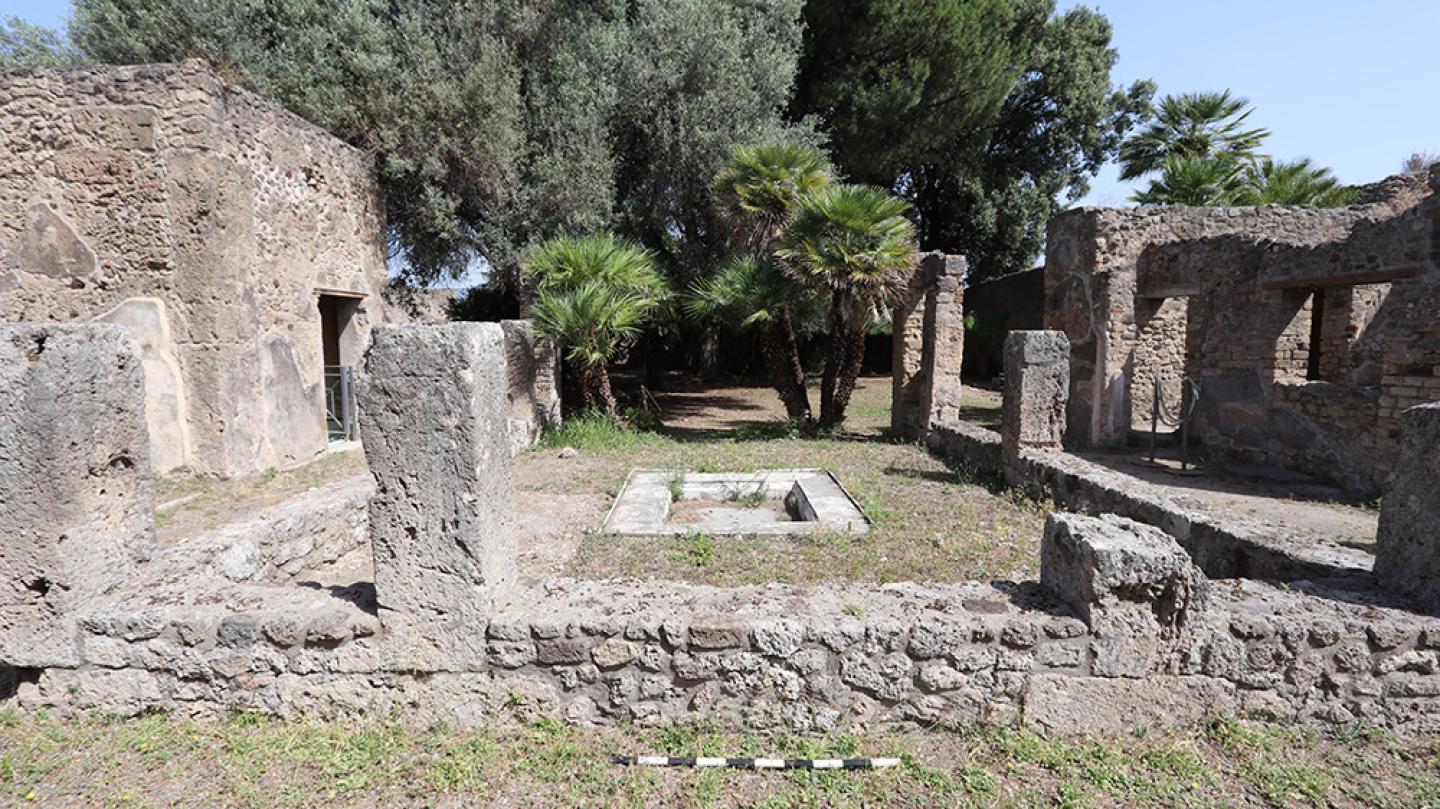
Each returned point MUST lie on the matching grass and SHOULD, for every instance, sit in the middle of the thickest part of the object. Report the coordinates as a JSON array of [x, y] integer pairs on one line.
[[930, 522], [250, 761]]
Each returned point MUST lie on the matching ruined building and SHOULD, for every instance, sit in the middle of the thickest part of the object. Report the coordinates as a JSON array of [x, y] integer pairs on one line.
[[1308, 331], [242, 246]]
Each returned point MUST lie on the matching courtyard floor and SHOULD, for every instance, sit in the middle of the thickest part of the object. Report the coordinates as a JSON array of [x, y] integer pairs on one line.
[[928, 523]]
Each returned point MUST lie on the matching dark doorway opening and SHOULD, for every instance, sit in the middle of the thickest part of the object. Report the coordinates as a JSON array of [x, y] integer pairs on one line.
[[339, 346]]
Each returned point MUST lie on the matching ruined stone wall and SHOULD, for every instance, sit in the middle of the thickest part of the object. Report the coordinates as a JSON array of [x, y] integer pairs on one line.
[[1247, 279], [203, 219], [1104, 651], [1121, 632], [533, 366], [1091, 260], [997, 307], [1159, 355]]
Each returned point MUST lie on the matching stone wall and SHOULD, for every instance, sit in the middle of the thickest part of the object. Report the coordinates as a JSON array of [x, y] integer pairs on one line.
[[997, 307], [1122, 631], [1224, 545], [1110, 646], [1227, 297], [929, 346], [204, 220], [1407, 546]]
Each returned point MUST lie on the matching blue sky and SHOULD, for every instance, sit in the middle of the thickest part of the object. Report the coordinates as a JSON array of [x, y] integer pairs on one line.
[[1351, 84]]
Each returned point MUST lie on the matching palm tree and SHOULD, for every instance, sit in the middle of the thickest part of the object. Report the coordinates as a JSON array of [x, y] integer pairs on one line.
[[855, 241], [763, 181], [1192, 180], [593, 295], [1295, 183], [755, 293], [758, 189], [1203, 125]]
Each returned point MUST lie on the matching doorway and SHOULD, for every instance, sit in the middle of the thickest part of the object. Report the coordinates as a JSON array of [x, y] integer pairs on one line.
[[339, 345]]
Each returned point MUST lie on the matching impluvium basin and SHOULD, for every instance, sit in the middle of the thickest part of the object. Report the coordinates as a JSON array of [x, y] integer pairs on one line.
[[766, 502]]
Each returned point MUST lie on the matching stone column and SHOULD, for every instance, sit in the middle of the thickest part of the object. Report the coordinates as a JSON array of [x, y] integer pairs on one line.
[[1037, 386], [1407, 546], [944, 344], [928, 346], [77, 503], [435, 425], [534, 370]]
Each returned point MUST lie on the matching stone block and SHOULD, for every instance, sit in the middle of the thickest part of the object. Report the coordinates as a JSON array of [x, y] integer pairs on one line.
[[435, 429], [77, 502], [1117, 573], [1065, 704], [1407, 546], [1037, 387]]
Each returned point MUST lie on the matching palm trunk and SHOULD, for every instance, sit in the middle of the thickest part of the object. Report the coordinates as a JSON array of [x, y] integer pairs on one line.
[[595, 386], [782, 354], [842, 366], [834, 359], [854, 357]]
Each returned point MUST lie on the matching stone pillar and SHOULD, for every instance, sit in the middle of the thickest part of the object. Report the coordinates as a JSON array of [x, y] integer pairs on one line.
[[928, 346], [1132, 583], [435, 425], [1037, 387], [1407, 546], [77, 503], [944, 348]]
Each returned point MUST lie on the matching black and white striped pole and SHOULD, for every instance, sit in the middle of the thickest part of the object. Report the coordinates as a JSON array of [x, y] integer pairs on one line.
[[759, 763]]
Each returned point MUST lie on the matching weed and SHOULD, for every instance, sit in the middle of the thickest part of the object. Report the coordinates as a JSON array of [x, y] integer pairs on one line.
[[699, 549], [746, 496], [853, 610]]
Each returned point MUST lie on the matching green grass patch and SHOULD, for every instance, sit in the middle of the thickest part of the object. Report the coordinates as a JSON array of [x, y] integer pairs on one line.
[[250, 761], [593, 430]]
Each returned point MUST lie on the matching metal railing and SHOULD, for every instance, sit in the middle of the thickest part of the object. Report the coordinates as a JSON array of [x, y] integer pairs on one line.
[[340, 402], [1178, 419]]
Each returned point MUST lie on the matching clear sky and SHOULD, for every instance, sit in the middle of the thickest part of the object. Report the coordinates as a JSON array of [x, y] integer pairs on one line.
[[1351, 84]]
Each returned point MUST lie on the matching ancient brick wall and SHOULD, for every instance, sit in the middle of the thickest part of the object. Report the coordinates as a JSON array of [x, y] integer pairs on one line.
[[1229, 297], [203, 219], [928, 346]]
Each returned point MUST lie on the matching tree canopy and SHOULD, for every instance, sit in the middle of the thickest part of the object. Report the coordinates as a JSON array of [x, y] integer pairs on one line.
[[986, 115], [499, 124], [1201, 150]]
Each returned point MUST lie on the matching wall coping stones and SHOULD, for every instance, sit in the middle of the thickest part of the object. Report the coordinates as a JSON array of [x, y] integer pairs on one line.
[[1096, 565], [1223, 545]]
